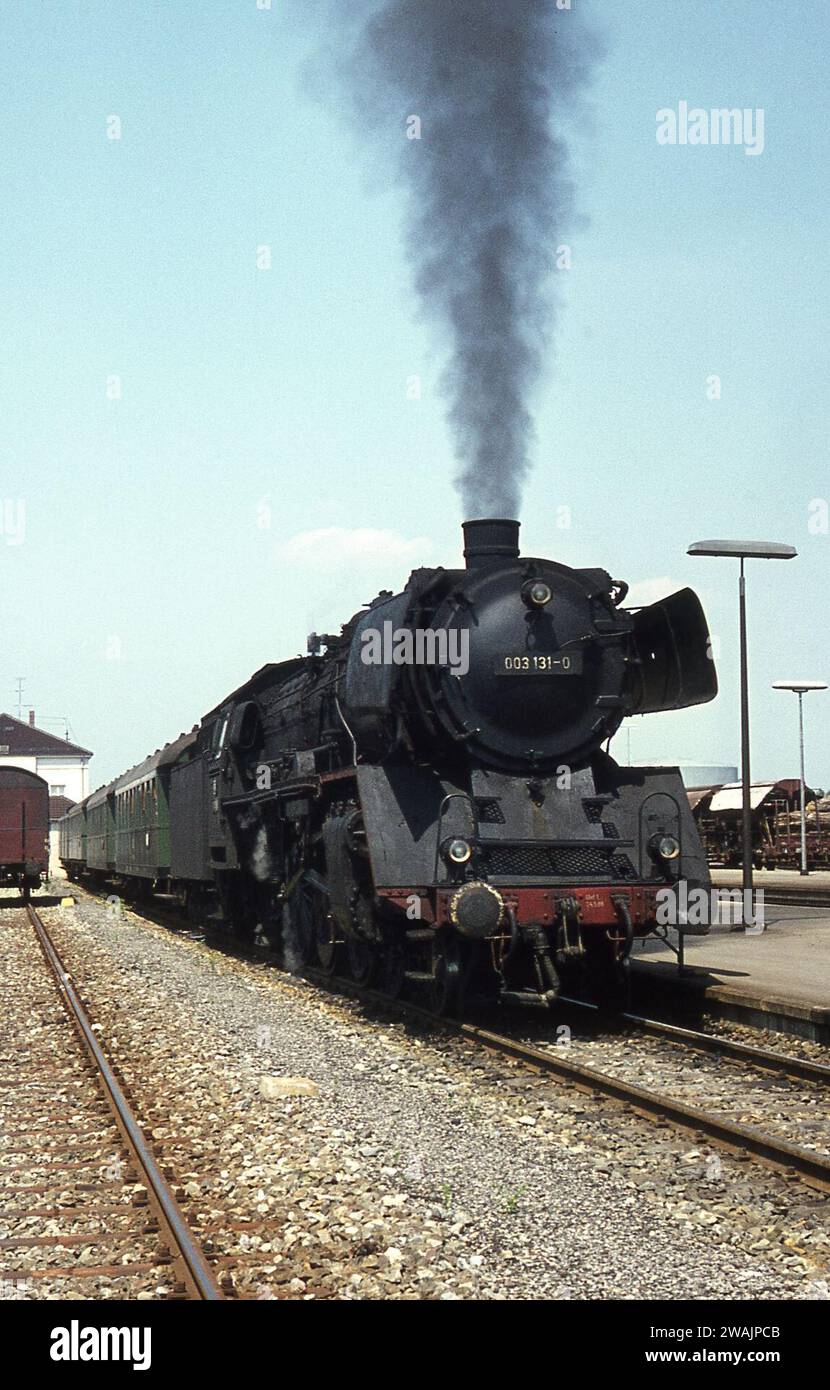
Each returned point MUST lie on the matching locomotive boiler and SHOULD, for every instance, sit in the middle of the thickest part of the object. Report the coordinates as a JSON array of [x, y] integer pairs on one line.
[[425, 799]]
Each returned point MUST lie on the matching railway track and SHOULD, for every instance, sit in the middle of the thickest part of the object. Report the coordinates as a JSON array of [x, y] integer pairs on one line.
[[766, 1059], [67, 1121], [779, 894], [743, 1141], [782, 898], [421, 1106], [739, 1140], [746, 1142]]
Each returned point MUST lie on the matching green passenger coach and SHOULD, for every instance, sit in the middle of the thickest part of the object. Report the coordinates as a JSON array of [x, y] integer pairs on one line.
[[142, 814], [121, 833], [100, 829]]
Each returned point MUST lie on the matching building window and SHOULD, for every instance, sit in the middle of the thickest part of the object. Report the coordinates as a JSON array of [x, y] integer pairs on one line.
[[58, 791]]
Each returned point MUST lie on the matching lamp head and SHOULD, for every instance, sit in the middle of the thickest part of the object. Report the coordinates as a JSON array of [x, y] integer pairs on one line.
[[744, 550], [800, 687]]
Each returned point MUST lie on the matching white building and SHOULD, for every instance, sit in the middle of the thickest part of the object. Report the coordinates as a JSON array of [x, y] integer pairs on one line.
[[64, 765]]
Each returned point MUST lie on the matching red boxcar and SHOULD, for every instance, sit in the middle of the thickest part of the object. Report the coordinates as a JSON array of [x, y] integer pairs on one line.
[[24, 827]]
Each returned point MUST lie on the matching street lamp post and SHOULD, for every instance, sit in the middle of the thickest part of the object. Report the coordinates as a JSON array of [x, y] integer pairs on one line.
[[801, 688], [744, 550]]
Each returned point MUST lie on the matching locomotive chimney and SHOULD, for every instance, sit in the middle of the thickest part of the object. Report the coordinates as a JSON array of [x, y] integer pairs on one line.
[[488, 541]]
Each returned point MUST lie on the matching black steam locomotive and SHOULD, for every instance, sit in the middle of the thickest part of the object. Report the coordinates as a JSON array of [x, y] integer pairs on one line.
[[424, 799]]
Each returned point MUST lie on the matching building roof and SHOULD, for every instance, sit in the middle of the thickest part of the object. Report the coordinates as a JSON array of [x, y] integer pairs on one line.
[[23, 740], [58, 806], [730, 796]]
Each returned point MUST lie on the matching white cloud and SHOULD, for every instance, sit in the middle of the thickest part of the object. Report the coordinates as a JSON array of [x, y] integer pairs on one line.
[[647, 591], [333, 547]]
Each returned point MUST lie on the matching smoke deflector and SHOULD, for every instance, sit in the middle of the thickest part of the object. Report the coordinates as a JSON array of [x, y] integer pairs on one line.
[[676, 667]]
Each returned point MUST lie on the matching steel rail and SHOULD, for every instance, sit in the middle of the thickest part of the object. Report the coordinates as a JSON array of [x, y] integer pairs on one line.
[[198, 1277], [778, 1153], [740, 1140], [812, 1168], [780, 897], [767, 1059], [783, 894]]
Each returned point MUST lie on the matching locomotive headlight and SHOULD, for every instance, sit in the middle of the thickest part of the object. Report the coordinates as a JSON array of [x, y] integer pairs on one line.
[[667, 846], [536, 593], [458, 851]]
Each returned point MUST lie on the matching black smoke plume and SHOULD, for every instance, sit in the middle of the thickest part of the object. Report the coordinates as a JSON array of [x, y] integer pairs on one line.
[[493, 83]]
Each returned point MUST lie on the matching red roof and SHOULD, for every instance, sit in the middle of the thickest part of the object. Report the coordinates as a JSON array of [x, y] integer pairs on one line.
[[19, 739], [58, 806]]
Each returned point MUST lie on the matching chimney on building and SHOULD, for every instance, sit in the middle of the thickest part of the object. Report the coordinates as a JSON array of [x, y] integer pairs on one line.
[[31, 719]]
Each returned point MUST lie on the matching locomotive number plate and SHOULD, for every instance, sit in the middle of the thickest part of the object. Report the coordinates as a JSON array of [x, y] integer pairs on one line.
[[540, 664]]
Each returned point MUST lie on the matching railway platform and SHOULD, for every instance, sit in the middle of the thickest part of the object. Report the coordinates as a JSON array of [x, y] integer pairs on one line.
[[778, 979]]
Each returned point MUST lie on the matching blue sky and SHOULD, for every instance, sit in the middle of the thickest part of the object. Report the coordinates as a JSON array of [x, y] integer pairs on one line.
[[182, 535]]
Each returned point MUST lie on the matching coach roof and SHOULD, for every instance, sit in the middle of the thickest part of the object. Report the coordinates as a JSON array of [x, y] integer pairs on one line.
[[162, 757]]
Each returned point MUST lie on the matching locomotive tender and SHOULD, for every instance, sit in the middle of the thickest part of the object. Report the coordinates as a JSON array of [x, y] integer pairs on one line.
[[424, 797]]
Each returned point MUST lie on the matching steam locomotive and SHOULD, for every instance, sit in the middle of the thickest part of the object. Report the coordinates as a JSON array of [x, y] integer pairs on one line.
[[424, 799]]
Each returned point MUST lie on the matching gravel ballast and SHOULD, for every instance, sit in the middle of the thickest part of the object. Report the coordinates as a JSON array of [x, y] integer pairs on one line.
[[415, 1166], [67, 1198]]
